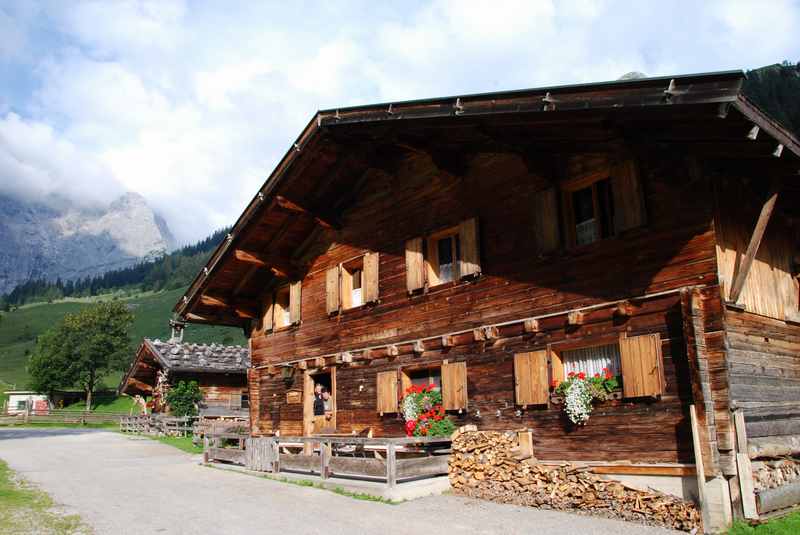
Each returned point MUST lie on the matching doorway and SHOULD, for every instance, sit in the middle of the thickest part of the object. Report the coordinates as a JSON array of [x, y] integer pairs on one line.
[[315, 423]]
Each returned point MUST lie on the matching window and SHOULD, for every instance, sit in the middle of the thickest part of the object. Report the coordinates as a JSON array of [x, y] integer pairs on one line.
[[282, 309], [352, 278], [637, 359], [352, 284], [592, 360], [450, 379], [431, 376], [590, 212], [444, 256], [22, 405], [245, 400]]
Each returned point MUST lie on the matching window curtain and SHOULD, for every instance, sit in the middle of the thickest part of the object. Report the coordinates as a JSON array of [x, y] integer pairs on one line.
[[592, 360]]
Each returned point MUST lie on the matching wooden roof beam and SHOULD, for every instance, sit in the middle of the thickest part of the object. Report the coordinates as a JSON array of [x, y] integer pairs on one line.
[[325, 220], [243, 308], [279, 266], [755, 241], [138, 385]]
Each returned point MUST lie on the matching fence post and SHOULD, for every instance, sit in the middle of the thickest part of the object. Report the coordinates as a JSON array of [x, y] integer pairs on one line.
[[324, 456], [205, 449], [391, 465], [276, 449]]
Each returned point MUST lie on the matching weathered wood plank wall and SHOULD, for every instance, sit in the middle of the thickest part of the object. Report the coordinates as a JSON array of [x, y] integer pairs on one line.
[[675, 249]]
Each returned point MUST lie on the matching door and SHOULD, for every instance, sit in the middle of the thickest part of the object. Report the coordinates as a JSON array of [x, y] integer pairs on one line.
[[315, 424]]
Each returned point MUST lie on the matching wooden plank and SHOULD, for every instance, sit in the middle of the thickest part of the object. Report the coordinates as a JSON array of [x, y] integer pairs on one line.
[[746, 486], [422, 467], [387, 392], [391, 465], [626, 187], [470, 262], [755, 241], [779, 498], [357, 466], [371, 277], [415, 265], [454, 385], [332, 285], [698, 460], [640, 358], [295, 301], [531, 378], [545, 221], [301, 462]]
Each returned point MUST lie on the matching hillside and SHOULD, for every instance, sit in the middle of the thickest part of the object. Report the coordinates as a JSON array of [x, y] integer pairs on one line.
[[776, 90], [19, 329]]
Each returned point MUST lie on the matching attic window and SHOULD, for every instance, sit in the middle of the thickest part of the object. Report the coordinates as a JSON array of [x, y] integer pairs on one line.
[[590, 212], [352, 280], [444, 253]]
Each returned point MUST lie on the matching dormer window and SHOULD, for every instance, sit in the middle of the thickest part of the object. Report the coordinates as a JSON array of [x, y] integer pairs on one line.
[[282, 310], [590, 212]]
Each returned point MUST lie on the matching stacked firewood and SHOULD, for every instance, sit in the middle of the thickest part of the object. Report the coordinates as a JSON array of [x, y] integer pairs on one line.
[[492, 466], [769, 474]]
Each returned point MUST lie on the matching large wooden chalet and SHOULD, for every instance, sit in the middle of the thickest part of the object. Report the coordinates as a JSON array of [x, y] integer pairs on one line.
[[493, 243]]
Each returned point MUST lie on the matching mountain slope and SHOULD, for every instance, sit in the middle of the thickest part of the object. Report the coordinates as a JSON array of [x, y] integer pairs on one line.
[[19, 329], [776, 90], [58, 240]]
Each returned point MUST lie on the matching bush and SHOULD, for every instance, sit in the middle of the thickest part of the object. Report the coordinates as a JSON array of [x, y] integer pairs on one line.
[[183, 398]]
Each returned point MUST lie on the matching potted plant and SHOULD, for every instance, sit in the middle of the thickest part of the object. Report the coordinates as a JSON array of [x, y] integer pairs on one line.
[[579, 393], [424, 414]]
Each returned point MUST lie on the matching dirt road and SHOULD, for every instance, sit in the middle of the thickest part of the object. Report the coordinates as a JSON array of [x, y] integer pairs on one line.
[[120, 485]]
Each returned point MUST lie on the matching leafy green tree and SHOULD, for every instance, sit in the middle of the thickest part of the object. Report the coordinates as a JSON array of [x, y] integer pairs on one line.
[[82, 349], [183, 398]]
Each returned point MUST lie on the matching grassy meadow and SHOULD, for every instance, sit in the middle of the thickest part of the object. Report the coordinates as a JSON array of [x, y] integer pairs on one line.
[[152, 311]]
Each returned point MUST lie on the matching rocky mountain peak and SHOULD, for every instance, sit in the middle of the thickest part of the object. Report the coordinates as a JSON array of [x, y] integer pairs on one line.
[[63, 240]]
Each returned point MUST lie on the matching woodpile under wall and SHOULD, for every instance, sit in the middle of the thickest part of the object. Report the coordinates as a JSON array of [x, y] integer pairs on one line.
[[769, 474], [491, 465]]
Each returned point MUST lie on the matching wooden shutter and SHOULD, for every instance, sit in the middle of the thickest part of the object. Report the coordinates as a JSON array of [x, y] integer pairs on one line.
[[626, 188], [545, 220], [269, 311], [405, 382], [556, 367], [454, 385], [415, 265], [470, 262], [530, 378], [332, 289], [369, 282], [640, 357], [236, 400], [294, 302], [387, 392]]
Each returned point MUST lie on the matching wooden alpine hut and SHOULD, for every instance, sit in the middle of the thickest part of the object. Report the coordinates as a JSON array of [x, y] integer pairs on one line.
[[494, 244]]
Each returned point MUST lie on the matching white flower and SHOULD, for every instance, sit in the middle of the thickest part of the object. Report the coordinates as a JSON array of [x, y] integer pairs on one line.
[[409, 408], [578, 402]]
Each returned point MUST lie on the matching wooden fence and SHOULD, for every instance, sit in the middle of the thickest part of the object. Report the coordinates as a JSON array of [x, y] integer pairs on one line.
[[391, 460], [156, 424], [61, 416]]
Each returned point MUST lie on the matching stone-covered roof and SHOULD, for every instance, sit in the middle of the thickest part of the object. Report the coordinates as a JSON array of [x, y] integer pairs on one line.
[[177, 356]]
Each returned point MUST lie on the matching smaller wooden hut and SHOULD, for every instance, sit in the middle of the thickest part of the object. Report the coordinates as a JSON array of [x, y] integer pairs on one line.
[[220, 371]]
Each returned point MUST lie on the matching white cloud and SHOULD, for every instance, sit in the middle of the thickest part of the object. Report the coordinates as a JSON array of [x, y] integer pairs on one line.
[[193, 104]]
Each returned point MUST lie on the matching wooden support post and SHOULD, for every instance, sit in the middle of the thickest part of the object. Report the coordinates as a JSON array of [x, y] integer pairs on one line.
[[391, 465], [698, 463], [325, 458], [755, 241], [744, 468]]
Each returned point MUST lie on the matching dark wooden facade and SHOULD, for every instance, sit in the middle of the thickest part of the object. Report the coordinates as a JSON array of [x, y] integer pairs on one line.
[[368, 180]]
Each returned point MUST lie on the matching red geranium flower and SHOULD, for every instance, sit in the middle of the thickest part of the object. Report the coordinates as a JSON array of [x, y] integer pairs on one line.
[[571, 374], [597, 375], [410, 426], [581, 375], [554, 383]]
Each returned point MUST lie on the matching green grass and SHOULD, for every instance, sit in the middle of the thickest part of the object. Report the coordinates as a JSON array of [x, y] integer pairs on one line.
[[25, 509], [787, 525], [107, 404], [182, 443], [152, 311]]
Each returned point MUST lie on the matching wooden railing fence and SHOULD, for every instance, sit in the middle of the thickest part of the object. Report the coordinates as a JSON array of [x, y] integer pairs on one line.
[[61, 416], [391, 460]]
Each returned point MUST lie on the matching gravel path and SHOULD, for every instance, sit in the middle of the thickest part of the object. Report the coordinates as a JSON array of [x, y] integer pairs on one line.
[[120, 485]]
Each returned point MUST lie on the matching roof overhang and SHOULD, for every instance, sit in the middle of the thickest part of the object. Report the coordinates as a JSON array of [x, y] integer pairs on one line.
[[704, 113]]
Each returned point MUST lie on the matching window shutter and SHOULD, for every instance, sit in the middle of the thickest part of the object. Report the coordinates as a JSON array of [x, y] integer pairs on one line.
[[370, 278], [626, 187], [387, 392], [415, 265], [266, 319], [545, 220], [470, 263], [642, 374], [530, 378], [236, 400], [454, 385], [556, 367], [332, 290], [294, 301]]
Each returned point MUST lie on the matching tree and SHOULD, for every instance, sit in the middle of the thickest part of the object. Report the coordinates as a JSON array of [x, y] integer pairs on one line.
[[82, 349], [183, 398]]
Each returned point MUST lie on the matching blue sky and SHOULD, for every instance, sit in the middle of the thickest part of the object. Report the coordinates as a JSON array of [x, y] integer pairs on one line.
[[191, 104]]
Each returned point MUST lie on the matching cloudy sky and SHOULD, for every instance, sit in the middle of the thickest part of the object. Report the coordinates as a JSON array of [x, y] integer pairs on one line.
[[192, 104]]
